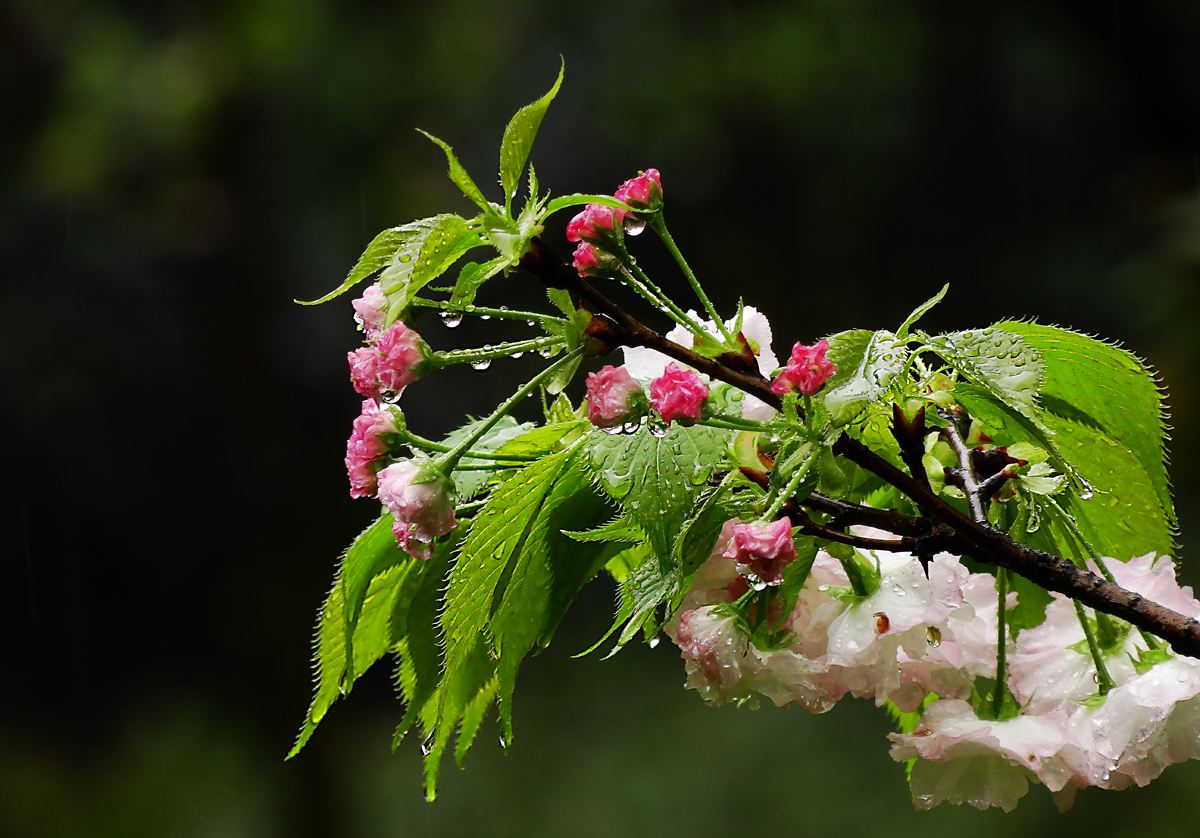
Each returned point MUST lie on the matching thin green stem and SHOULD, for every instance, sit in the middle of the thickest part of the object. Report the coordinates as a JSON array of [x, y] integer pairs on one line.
[[731, 423], [504, 408], [429, 446], [650, 292], [490, 353], [483, 311], [1103, 680], [660, 227], [1001, 642]]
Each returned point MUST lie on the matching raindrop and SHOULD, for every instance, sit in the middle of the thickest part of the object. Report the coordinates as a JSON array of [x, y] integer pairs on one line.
[[933, 636], [529, 323], [658, 429], [503, 742], [451, 319], [631, 427], [545, 353], [1085, 490], [614, 430], [481, 364], [427, 743], [654, 641], [1096, 677], [822, 588], [634, 225], [485, 317], [516, 354]]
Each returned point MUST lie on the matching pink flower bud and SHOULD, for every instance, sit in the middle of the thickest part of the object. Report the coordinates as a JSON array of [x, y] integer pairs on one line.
[[762, 550], [364, 371], [806, 371], [400, 353], [678, 394], [591, 261], [643, 191], [370, 310], [421, 500], [366, 447], [614, 397], [596, 224]]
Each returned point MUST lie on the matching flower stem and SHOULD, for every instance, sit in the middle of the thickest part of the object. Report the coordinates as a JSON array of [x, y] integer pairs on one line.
[[499, 350], [483, 311], [660, 227], [731, 423], [451, 458], [641, 283], [1103, 679], [1001, 642]]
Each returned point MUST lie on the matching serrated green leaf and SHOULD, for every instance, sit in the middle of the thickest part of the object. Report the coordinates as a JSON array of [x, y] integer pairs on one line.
[[473, 717], [373, 550], [471, 279], [542, 439], [656, 479], [458, 174], [519, 136], [920, 311], [867, 365], [433, 245], [377, 256], [508, 587], [1098, 384], [1001, 362], [415, 639], [619, 529]]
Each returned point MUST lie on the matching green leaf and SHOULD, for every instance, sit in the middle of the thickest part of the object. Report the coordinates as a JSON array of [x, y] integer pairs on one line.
[[1009, 371], [458, 174], [656, 479], [920, 311], [1000, 362], [1103, 386], [471, 278], [867, 365], [565, 201], [619, 529], [376, 257], [512, 580], [468, 482], [518, 138], [370, 572], [415, 639], [434, 244]]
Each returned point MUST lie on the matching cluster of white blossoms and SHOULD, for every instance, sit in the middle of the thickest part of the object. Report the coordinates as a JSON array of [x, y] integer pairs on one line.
[[921, 642]]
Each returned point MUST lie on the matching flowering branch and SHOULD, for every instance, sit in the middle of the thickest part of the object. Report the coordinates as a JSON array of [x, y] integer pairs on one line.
[[956, 532]]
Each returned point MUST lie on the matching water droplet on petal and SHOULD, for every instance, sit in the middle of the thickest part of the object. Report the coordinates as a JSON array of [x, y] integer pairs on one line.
[[933, 636]]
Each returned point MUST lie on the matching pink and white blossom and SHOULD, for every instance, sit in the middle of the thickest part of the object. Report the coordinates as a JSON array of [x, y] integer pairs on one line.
[[421, 503], [678, 394], [807, 370], [370, 310], [762, 550], [964, 759], [366, 447], [613, 397]]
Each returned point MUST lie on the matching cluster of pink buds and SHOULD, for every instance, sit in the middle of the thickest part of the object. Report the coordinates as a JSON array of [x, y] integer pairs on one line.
[[392, 359], [807, 370], [419, 496], [598, 229]]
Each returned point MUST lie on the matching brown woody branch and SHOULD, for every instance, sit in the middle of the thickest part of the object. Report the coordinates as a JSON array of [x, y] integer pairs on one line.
[[941, 525]]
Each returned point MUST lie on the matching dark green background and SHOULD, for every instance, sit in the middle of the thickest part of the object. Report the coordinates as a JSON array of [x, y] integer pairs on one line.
[[173, 426]]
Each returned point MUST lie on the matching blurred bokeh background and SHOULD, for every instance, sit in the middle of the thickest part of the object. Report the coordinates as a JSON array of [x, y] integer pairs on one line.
[[173, 426]]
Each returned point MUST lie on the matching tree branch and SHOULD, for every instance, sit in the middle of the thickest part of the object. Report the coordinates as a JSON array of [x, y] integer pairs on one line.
[[942, 524]]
